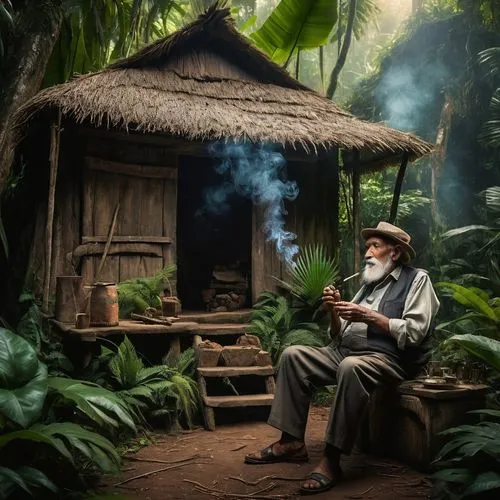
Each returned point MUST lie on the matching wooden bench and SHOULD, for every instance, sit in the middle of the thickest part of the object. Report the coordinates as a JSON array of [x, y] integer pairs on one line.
[[82, 344], [405, 423]]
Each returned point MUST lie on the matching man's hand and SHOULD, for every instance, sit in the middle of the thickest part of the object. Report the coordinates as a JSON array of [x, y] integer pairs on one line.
[[330, 296], [352, 312]]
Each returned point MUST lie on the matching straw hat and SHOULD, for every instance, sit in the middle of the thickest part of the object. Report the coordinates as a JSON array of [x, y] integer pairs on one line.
[[393, 233]]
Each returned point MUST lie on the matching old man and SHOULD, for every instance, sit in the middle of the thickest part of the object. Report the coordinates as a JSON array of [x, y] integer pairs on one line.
[[381, 337]]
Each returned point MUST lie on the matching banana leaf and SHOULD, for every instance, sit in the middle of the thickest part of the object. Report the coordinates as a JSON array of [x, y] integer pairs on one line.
[[296, 25], [484, 348], [469, 298]]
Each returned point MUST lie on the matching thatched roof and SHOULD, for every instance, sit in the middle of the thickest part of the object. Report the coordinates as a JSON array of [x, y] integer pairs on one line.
[[207, 82]]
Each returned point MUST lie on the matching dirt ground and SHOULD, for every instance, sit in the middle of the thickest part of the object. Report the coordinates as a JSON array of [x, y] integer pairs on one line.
[[217, 463]]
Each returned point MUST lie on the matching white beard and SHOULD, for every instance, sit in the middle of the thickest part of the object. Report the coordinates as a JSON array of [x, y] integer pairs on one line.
[[375, 270]]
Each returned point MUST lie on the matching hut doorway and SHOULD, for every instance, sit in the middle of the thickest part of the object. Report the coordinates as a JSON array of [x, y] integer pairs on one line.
[[214, 239]]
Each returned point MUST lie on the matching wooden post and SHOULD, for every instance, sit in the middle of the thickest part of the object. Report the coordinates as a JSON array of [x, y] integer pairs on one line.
[[55, 135], [397, 189], [356, 219]]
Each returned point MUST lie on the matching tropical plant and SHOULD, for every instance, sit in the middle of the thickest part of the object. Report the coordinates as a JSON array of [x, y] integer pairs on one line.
[[157, 390], [275, 323], [487, 235], [49, 349], [25, 418], [313, 271], [483, 312], [47, 41], [469, 461], [102, 407], [136, 295], [296, 25]]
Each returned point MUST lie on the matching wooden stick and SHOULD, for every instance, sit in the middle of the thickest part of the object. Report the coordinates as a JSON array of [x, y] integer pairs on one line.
[[108, 242], [397, 189], [239, 447], [146, 474], [360, 495], [55, 133], [273, 476], [170, 462], [221, 494]]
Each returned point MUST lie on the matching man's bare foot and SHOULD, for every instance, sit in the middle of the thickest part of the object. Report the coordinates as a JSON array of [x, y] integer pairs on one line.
[[328, 468]]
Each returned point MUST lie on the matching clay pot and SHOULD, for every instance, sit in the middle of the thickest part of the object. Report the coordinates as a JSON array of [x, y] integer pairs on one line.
[[70, 298], [104, 305]]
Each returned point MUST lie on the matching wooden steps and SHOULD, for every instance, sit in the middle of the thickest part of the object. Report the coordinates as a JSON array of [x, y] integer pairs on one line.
[[238, 401], [211, 402]]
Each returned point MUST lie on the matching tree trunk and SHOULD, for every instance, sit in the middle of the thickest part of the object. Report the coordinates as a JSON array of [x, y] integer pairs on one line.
[[439, 156], [343, 51], [24, 77]]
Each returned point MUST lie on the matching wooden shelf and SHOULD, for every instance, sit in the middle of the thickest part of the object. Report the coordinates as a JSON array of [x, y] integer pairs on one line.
[[235, 371], [237, 401]]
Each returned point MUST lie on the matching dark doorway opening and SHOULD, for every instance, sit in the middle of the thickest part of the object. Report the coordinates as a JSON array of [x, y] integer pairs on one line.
[[214, 238]]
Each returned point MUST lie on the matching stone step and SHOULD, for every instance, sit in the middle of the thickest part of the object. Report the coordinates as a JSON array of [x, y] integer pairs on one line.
[[235, 401], [240, 316], [235, 371]]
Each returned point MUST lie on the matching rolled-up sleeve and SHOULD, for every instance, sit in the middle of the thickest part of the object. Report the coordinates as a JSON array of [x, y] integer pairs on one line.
[[420, 308]]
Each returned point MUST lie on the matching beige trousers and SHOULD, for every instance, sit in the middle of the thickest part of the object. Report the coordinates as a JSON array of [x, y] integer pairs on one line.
[[304, 369]]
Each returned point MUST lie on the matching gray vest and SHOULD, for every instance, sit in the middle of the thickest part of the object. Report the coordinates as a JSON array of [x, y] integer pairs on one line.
[[412, 358]]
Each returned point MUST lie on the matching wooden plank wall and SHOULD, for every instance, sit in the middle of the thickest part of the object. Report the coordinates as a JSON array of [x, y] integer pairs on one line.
[[313, 216]]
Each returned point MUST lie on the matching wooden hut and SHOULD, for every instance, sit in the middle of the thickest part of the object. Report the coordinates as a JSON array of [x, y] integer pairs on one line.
[[136, 134]]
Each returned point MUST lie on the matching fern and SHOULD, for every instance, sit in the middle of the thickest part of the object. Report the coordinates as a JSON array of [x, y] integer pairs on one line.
[[136, 295], [278, 327]]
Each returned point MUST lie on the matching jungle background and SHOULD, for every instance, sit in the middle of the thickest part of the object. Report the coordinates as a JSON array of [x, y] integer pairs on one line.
[[431, 67]]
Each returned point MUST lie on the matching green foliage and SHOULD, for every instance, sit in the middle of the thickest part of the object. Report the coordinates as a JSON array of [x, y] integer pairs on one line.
[[48, 348], [296, 25], [25, 479], [101, 406], [469, 461], [27, 415], [487, 235], [314, 270], [23, 380], [277, 326], [377, 193], [136, 295], [483, 316], [161, 389], [483, 348]]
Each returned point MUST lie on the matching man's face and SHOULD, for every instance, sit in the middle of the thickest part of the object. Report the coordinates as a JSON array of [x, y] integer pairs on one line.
[[380, 259]]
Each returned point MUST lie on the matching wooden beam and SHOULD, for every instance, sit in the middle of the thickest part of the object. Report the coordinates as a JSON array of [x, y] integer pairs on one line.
[[55, 135], [397, 189], [130, 169], [164, 240], [118, 249]]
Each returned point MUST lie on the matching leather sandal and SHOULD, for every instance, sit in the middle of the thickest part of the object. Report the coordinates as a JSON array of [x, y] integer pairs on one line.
[[325, 483], [268, 457]]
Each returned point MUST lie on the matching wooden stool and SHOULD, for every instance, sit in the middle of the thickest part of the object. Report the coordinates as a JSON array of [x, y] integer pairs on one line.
[[211, 402], [404, 423]]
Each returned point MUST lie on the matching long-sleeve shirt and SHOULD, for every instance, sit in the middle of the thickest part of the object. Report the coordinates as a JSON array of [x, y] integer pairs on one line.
[[421, 306]]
